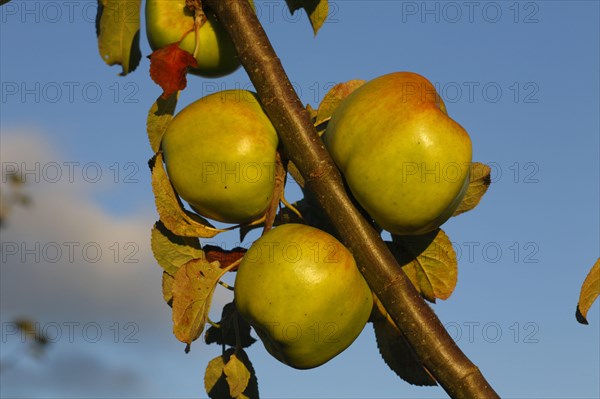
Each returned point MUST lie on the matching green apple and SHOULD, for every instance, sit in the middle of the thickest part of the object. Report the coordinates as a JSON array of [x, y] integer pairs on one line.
[[220, 153], [167, 21], [301, 291], [405, 160]]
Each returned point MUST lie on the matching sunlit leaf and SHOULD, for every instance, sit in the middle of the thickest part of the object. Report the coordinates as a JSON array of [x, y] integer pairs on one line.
[[193, 288], [237, 376], [590, 289], [395, 350], [225, 375], [172, 251], [168, 68], [480, 181], [159, 118], [317, 11], [170, 208], [429, 261], [118, 31], [334, 97], [167, 288], [226, 333]]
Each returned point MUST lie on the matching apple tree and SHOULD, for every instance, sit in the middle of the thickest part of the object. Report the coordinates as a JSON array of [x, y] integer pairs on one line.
[[360, 157]]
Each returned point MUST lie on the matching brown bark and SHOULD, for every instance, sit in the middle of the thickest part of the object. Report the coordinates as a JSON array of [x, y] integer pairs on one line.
[[423, 330]]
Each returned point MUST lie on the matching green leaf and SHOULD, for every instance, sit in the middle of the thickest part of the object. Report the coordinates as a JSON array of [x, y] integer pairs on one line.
[[480, 181], [226, 334], [172, 251], [395, 349], [590, 290], [334, 97], [193, 288], [118, 31], [170, 209], [226, 375], [159, 118], [317, 11], [429, 261]]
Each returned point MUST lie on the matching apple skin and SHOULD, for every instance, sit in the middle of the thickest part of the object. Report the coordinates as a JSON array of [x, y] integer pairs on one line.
[[220, 153], [167, 21], [405, 160], [301, 291]]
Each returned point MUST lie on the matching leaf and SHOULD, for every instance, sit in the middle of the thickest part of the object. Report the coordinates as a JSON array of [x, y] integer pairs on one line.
[[168, 68], [590, 289], [226, 334], [167, 288], [226, 375], [237, 376], [317, 11], [395, 349], [225, 257], [172, 251], [159, 118], [429, 261], [118, 31], [334, 97], [193, 288], [3, 2], [480, 181], [170, 209]]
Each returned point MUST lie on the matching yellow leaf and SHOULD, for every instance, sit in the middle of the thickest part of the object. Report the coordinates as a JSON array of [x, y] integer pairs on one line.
[[167, 288], [225, 375], [429, 262], [193, 288], [590, 289], [237, 375], [213, 378], [479, 183], [170, 209], [172, 251], [118, 31], [159, 118], [317, 11], [395, 350], [334, 97]]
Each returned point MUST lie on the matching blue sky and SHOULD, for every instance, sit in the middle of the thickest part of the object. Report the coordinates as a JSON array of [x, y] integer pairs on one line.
[[521, 77]]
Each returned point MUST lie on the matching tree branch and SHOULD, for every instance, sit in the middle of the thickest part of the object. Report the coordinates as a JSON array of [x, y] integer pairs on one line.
[[425, 333]]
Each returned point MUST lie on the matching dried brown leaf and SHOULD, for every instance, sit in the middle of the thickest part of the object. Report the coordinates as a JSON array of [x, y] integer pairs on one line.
[[590, 290], [480, 181], [193, 288], [170, 209], [334, 97]]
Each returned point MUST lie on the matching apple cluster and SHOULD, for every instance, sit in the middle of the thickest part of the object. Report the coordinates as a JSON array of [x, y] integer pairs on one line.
[[220, 153]]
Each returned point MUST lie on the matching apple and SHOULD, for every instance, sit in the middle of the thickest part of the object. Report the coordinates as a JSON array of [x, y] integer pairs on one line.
[[301, 291], [405, 160], [167, 21], [220, 153]]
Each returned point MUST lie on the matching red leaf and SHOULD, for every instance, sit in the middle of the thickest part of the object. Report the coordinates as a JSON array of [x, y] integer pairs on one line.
[[168, 67], [225, 257]]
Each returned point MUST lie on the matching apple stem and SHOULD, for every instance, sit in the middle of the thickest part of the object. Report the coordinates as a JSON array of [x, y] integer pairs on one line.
[[199, 20]]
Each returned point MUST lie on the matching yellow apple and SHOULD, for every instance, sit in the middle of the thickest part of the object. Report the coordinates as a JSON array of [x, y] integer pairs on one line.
[[220, 153], [167, 21], [405, 160], [301, 291]]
